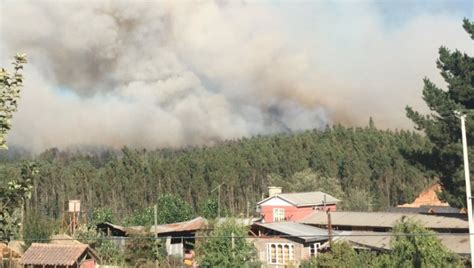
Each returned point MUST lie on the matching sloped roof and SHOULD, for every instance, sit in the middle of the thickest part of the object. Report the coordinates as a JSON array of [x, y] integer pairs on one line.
[[385, 219], [238, 221], [53, 254], [118, 230], [457, 243], [305, 199], [196, 224], [302, 231], [374, 240], [426, 210]]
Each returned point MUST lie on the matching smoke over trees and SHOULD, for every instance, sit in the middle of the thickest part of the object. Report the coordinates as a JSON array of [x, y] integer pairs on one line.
[[156, 74]]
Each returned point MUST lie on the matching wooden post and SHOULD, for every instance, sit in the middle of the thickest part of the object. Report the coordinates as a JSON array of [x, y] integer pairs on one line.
[[329, 228]]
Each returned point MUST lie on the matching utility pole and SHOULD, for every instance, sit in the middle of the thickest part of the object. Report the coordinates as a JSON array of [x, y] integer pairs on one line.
[[468, 183], [156, 234]]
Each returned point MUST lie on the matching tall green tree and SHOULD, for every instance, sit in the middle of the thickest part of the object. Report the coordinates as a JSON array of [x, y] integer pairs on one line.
[[418, 248], [442, 127], [37, 228], [13, 197], [226, 246], [171, 208], [10, 86]]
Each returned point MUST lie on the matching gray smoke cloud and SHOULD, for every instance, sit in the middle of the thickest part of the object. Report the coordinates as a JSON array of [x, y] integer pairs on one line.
[[152, 74]]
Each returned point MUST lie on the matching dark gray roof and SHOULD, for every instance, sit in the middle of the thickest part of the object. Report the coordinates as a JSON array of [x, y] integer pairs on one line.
[[306, 199], [301, 231]]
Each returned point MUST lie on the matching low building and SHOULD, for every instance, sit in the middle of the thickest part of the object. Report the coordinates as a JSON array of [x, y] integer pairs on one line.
[[9, 256], [59, 256], [380, 242], [180, 236], [293, 206], [384, 221], [440, 210], [287, 243], [118, 234]]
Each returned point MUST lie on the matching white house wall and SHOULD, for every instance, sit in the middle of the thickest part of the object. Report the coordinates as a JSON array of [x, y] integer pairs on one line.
[[276, 201]]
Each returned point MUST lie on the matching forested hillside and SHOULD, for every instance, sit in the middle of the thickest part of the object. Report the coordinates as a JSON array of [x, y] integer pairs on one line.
[[365, 167]]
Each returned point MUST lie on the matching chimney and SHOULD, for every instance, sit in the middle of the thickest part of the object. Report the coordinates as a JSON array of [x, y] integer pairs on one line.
[[273, 190]]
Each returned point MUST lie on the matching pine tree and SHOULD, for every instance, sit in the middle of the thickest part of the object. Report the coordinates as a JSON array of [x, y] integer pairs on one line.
[[442, 127]]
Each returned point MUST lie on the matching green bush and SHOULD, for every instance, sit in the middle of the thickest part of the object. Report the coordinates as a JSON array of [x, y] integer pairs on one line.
[[216, 249]]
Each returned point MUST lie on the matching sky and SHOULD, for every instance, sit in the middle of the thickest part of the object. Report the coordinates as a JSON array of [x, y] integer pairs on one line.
[[170, 74]]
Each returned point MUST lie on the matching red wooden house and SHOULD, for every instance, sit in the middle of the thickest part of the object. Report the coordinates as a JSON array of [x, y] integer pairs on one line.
[[293, 206]]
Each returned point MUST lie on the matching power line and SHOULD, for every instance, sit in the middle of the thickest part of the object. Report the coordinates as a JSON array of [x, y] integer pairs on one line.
[[249, 236]]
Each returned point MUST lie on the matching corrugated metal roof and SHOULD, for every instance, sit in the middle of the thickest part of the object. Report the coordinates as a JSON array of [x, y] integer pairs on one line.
[[196, 224], [457, 243], [425, 210], [305, 199], [53, 254], [302, 231], [384, 219], [376, 240], [115, 226], [119, 230]]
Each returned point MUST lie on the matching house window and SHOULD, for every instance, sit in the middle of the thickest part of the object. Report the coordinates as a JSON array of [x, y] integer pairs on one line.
[[280, 253], [278, 214], [313, 249]]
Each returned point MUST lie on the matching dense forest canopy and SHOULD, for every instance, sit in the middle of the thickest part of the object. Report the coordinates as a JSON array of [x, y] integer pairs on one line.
[[365, 167]]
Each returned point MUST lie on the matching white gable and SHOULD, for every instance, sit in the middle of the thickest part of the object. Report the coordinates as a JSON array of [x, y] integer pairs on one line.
[[275, 201]]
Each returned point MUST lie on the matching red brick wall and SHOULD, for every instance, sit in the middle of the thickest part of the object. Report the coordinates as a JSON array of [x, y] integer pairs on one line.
[[292, 213]]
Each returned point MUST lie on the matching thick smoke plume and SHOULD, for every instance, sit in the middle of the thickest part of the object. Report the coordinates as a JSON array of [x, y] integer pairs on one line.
[[150, 74]]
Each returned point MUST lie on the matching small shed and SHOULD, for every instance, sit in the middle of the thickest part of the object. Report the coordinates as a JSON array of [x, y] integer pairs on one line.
[[180, 236], [9, 256], [59, 256]]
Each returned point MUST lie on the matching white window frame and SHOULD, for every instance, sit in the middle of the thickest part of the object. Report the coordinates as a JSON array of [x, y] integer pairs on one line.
[[291, 253], [316, 247], [278, 214]]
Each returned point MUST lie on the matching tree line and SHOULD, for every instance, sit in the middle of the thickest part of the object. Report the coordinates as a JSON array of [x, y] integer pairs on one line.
[[366, 165]]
